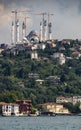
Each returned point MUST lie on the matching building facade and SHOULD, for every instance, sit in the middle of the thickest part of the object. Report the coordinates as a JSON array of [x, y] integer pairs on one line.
[[62, 99], [24, 106], [8, 109], [55, 108], [34, 55], [76, 99], [73, 100]]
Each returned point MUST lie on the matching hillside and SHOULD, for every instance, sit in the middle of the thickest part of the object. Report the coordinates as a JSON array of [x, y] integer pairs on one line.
[[19, 74]]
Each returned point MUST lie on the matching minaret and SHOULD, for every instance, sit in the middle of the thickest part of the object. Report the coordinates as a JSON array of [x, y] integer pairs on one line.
[[17, 31], [45, 30], [41, 28], [23, 30], [12, 33], [15, 25], [49, 31]]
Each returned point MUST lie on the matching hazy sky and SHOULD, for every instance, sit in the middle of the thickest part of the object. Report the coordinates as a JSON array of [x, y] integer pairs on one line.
[[66, 20]]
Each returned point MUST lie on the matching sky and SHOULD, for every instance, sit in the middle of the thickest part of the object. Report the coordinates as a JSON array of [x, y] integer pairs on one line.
[[66, 21]]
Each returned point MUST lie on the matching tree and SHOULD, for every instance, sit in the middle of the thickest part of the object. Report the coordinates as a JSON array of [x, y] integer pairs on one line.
[[72, 108], [33, 110]]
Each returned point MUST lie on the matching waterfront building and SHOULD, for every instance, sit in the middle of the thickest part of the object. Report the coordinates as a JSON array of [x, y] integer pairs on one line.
[[24, 106], [15, 109], [8, 109], [54, 108]]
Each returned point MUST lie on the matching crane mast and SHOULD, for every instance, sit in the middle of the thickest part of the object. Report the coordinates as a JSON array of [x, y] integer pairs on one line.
[[49, 27], [42, 27]]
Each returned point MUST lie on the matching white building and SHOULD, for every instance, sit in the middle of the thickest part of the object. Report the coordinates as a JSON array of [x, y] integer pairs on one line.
[[1, 50], [42, 46], [57, 55], [34, 55], [40, 81], [60, 57], [15, 109], [62, 60], [62, 99], [73, 100], [8, 109], [76, 99]]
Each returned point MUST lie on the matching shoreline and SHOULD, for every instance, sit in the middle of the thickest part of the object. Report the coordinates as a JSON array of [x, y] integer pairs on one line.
[[44, 115]]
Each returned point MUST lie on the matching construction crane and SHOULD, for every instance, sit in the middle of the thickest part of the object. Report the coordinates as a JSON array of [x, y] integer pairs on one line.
[[25, 20], [15, 12], [43, 16], [42, 26], [16, 19], [24, 27], [49, 15], [49, 27]]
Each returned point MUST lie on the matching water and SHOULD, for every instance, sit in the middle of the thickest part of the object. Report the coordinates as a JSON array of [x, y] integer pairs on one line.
[[41, 123]]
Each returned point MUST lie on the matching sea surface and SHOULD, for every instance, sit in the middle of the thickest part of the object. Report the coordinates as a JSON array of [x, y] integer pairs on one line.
[[41, 123]]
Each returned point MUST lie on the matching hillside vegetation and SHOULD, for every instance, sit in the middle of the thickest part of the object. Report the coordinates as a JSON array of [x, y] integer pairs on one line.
[[15, 82]]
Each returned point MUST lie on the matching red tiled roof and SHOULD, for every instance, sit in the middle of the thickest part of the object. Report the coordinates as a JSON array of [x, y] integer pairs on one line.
[[49, 103], [23, 100]]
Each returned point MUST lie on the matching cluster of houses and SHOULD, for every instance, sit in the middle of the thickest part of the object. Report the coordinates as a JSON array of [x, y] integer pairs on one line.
[[20, 108], [33, 47], [58, 108], [73, 100], [24, 107], [50, 80]]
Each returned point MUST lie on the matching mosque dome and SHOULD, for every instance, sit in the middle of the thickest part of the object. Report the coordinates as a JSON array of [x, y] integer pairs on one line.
[[33, 33], [33, 36]]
